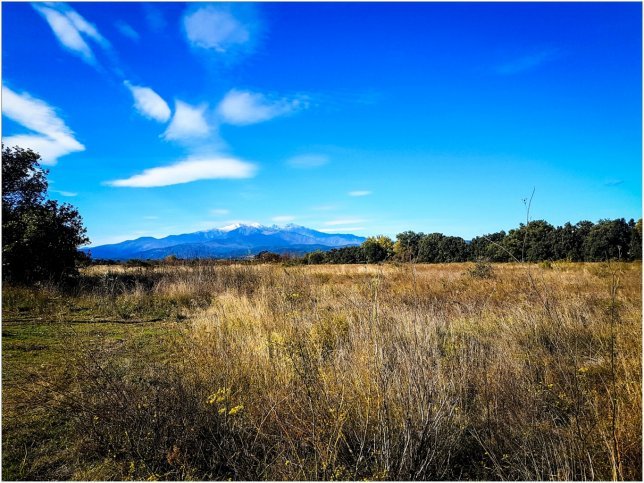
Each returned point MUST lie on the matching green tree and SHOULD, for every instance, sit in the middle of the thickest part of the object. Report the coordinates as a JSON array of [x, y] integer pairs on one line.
[[532, 243], [378, 248], [428, 249], [40, 238], [608, 239], [452, 249], [316, 257], [407, 246], [564, 242], [568, 241], [489, 247], [350, 254], [635, 247]]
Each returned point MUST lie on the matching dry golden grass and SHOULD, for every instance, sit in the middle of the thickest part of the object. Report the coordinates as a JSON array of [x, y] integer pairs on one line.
[[377, 372]]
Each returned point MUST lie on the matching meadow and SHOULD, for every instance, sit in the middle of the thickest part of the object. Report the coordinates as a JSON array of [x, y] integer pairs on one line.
[[326, 372]]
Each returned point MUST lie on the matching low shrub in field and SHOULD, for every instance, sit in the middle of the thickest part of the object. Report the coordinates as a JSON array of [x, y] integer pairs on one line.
[[481, 269]]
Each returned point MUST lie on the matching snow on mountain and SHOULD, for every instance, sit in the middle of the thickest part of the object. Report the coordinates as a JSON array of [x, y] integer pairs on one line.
[[234, 226], [235, 240]]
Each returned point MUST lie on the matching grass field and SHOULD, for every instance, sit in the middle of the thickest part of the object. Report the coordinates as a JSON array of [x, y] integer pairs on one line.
[[343, 372]]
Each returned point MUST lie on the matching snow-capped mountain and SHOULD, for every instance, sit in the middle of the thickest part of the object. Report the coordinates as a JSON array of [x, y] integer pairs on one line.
[[229, 241]]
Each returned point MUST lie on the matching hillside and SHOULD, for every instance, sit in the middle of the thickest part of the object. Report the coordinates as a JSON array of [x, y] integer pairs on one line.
[[228, 242]]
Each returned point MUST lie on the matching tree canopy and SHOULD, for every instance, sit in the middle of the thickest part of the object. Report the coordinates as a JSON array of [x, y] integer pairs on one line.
[[535, 242], [40, 237]]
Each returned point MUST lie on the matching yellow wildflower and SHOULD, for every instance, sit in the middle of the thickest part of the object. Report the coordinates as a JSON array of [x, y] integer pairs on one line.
[[218, 397], [235, 410]]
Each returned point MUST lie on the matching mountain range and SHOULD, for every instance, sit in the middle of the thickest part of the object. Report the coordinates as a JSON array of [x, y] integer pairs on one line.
[[231, 241]]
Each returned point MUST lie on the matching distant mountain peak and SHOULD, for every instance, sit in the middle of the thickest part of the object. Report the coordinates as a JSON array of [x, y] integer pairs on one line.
[[233, 240], [235, 226]]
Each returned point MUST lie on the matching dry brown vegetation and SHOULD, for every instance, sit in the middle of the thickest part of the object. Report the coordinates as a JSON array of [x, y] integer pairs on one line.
[[328, 372]]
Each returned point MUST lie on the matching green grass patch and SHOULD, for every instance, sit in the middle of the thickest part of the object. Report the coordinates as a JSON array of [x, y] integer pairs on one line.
[[39, 371]]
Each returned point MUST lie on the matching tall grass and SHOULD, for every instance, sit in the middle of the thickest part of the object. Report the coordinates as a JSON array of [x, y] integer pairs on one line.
[[352, 372]]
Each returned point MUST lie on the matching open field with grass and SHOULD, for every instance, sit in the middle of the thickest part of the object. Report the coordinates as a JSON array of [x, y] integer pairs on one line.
[[208, 371]]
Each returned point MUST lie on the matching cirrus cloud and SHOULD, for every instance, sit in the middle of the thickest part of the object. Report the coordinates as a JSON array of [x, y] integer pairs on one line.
[[188, 122], [244, 107], [72, 30], [218, 27], [53, 139], [148, 103], [127, 30], [211, 28], [189, 170]]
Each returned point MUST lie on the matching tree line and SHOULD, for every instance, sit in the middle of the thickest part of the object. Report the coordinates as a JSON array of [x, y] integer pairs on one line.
[[537, 241], [40, 237]]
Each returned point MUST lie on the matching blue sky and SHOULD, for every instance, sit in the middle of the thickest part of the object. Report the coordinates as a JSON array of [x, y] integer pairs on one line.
[[159, 119]]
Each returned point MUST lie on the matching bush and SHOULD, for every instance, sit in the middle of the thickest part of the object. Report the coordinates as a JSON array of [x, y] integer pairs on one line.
[[481, 269]]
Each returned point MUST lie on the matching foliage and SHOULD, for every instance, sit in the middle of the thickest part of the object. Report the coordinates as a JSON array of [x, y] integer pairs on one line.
[[481, 269], [531, 242], [608, 240], [377, 249], [268, 257], [635, 246], [318, 256], [350, 254], [407, 246], [537, 241], [568, 241], [428, 248], [40, 236], [489, 247]]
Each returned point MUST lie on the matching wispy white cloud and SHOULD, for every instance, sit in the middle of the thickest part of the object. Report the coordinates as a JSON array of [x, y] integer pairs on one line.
[[83, 25], [148, 103], [191, 169], [359, 193], [69, 194], [283, 218], [245, 107], [220, 211], [53, 139], [151, 217], [127, 30], [215, 27], [188, 122], [528, 62], [308, 161], [349, 221], [72, 30]]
